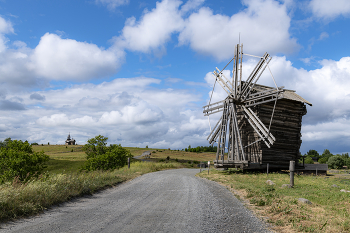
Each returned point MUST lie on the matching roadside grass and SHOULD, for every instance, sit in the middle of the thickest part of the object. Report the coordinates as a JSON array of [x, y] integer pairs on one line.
[[182, 156], [329, 211], [25, 199]]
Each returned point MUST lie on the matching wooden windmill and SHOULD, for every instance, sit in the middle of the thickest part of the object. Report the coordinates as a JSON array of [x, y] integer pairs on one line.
[[239, 110]]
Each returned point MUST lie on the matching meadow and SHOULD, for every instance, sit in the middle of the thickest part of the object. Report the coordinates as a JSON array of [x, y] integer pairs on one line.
[[62, 180], [329, 211]]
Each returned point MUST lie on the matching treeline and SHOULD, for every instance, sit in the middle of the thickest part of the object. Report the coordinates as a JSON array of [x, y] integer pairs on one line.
[[201, 149], [334, 161]]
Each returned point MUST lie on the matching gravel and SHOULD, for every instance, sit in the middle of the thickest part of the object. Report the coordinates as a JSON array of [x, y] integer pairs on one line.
[[165, 201]]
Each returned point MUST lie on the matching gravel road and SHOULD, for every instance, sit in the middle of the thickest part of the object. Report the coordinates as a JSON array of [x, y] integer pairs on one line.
[[165, 201]]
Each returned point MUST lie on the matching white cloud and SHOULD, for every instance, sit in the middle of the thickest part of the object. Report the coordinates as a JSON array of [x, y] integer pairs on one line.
[[66, 59], [5, 28], [128, 111], [330, 10], [112, 4], [153, 30], [216, 34], [191, 5], [323, 35]]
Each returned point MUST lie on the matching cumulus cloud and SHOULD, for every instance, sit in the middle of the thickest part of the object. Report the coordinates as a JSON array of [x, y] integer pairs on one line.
[[10, 105], [154, 28], [326, 10], [215, 34], [66, 59], [128, 111], [112, 4], [37, 96]]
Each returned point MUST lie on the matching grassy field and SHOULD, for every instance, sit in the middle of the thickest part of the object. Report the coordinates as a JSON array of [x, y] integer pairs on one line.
[[63, 159], [329, 211], [62, 181], [181, 156]]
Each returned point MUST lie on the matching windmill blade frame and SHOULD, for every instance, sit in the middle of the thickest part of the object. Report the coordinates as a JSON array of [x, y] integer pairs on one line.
[[237, 113]]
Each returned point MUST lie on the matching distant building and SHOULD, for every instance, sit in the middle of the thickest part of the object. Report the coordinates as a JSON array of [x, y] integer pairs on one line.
[[70, 141]]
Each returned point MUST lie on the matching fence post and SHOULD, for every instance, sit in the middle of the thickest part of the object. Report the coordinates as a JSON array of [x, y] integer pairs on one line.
[[316, 171], [267, 169], [200, 167], [292, 169], [129, 162], [208, 166]]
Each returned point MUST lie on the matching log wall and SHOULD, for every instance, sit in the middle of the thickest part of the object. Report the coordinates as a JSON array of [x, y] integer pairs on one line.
[[285, 127]]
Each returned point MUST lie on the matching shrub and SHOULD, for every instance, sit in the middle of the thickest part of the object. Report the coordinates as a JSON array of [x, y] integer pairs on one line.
[[336, 162], [96, 146], [17, 159], [101, 157], [323, 160], [168, 158], [308, 160]]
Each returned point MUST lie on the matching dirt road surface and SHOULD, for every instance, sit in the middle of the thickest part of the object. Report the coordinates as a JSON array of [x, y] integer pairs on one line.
[[165, 201]]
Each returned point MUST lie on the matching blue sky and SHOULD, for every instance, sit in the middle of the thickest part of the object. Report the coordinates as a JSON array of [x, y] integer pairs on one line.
[[139, 71]]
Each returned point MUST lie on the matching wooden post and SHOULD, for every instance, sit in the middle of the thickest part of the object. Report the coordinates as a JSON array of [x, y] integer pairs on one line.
[[129, 162], [208, 166], [200, 167], [316, 171], [267, 169], [292, 169]]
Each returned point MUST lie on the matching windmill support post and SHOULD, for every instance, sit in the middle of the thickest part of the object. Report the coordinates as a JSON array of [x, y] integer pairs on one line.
[[292, 170]]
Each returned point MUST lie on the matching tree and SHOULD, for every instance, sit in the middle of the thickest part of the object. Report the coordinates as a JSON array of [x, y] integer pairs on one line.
[[323, 160], [308, 160], [101, 157], [17, 159], [336, 162], [313, 153], [95, 146]]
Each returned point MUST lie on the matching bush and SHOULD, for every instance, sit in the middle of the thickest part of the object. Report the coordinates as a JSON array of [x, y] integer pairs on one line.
[[17, 159], [336, 162], [323, 160], [101, 157], [308, 160]]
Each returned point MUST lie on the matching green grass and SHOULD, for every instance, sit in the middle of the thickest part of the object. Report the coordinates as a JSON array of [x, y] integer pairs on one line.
[[62, 181], [329, 212], [19, 200], [182, 156]]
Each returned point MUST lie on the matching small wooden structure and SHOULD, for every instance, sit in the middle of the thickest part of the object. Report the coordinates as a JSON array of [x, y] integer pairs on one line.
[[70, 141], [260, 125]]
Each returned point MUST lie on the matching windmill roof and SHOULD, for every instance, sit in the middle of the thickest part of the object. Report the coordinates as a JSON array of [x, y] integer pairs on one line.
[[287, 94]]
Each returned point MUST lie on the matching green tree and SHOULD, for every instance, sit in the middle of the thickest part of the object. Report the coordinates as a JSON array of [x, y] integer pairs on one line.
[[17, 159], [308, 160], [336, 162], [95, 146], [313, 153], [323, 160], [101, 157]]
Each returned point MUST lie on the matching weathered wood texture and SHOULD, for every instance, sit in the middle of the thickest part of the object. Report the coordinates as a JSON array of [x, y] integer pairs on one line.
[[286, 127]]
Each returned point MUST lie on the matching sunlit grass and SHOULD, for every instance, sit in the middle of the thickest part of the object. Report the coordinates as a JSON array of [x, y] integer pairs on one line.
[[18, 199], [329, 211]]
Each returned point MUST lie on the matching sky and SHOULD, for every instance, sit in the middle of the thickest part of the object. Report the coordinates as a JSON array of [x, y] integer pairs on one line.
[[139, 72]]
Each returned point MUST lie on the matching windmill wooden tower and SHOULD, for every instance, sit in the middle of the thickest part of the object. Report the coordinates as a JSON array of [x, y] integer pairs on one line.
[[245, 131]]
